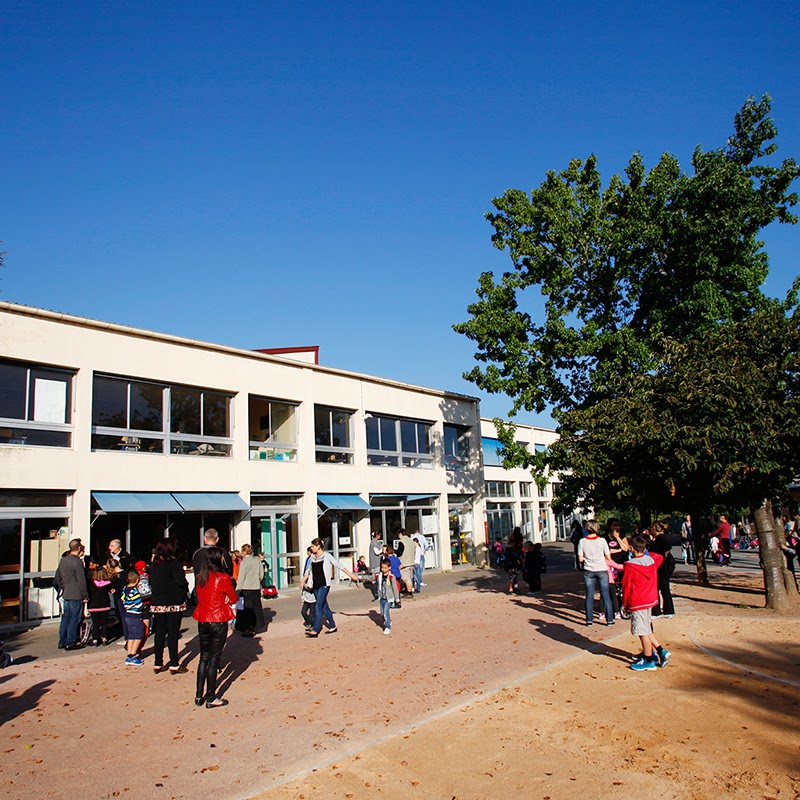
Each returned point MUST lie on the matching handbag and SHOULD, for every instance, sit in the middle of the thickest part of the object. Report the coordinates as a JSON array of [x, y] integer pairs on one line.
[[240, 604]]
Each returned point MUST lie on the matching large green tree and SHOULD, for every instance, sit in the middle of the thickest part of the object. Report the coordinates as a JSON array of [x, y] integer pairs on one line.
[[633, 276]]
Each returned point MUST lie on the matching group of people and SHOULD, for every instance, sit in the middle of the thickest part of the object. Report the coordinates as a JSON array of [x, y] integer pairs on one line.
[[519, 557]]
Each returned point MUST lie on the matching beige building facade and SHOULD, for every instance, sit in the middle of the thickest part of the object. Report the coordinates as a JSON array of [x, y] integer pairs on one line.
[[108, 431]]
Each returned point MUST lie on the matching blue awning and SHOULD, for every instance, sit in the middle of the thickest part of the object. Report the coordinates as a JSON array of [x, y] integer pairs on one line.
[[420, 496], [343, 502], [136, 502], [210, 501]]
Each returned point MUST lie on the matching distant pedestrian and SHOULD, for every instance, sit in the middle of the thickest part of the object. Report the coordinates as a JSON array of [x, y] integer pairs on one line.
[[535, 564], [575, 536], [99, 604], [251, 574]]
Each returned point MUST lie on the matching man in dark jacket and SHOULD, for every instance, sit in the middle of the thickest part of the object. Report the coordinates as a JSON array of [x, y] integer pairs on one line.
[[71, 583]]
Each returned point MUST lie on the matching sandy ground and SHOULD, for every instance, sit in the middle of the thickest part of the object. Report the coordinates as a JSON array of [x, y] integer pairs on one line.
[[476, 694]]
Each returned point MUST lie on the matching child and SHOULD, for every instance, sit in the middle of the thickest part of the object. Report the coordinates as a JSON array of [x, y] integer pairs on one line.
[[147, 596], [534, 566], [361, 565], [99, 604], [639, 595], [132, 607], [388, 593], [394, 561]]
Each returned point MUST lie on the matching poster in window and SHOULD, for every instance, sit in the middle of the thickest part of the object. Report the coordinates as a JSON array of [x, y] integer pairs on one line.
[[429, 524], [49, 400]]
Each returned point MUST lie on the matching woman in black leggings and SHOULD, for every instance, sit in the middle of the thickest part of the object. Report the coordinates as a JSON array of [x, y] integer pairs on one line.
[[167, 604], [215, 596]]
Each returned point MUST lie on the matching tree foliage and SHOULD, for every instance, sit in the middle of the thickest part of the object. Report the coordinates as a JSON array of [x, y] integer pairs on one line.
[[668, 371]]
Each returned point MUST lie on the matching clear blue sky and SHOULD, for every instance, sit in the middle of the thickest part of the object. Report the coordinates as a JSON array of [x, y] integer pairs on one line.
[[265, 174]]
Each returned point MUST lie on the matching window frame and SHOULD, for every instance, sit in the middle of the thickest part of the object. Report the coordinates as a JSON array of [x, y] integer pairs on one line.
[[172, 443], [457, 461], [331, 453], [271, 449], [398, 457], [20, 425], [493, 490]]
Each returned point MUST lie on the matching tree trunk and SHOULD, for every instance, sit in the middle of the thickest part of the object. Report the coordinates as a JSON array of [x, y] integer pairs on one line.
[[771, 557], [699, 552]]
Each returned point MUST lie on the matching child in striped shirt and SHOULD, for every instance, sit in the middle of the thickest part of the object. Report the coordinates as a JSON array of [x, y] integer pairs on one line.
[[132, 608]]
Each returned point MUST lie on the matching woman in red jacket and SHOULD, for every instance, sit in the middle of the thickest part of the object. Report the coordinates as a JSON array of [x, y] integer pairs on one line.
[[215, 595]]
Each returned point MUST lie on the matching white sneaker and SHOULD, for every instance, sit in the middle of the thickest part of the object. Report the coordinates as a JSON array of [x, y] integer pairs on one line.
[[387, 631]]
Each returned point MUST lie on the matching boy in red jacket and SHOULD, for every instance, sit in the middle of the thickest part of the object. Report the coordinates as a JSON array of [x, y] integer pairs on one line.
[[639, 595]]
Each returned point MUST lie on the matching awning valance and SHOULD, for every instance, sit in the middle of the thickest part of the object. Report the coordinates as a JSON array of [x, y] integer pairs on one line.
[[343, 502], [136, 502], [210, 501]]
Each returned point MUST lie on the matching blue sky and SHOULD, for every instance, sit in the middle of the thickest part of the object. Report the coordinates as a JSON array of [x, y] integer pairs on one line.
[[265, 174]]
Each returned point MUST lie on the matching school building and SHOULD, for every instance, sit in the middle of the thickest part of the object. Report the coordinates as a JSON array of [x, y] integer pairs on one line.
[[108, 431]]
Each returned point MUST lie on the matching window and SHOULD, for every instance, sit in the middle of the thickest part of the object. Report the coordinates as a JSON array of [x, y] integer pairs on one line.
[[393, 442], [131, 415], [543, 492], [540, 448], [35, 405], [491, 452], [273, 429], [499, 489], [456, 447], [524, 489], [332, 434]]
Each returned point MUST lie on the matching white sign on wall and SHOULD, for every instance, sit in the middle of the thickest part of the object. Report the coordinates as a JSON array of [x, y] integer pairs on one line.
[[49, 400]]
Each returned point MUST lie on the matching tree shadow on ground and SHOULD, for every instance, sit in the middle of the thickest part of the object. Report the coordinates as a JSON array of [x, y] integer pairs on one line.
[[13, 705]]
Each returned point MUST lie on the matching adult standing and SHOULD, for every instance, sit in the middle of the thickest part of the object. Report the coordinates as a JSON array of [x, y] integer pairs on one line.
[[251, 573], [662, 544], [215, 596], [723, 531], [375, 555], [593, 553], [170, 590], [575, 536], [211, 539], [419, 560], [687, 541], [121, 563], [318, 576], [71, 583], [406, 555]]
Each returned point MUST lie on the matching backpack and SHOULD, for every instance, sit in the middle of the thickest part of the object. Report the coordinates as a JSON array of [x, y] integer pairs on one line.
[[144, 586]]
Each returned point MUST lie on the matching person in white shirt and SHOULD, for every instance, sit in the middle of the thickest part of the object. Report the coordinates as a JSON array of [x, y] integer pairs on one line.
[[593, 553]]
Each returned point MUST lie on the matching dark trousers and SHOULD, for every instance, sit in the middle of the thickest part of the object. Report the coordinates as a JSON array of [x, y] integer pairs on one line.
[[667, 606], [534, 581], [167, 629], [309, 613], [212, 640], [99, 625], [252, 601]]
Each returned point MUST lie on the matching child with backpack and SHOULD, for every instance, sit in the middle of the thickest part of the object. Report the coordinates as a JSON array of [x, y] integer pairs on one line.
[[132, 609]]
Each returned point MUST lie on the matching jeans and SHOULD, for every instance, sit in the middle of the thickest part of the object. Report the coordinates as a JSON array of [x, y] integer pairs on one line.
[[212, 640], [70, 629], [323, 609], [601, 579], [387, 620], [417, 579], [167, 628]]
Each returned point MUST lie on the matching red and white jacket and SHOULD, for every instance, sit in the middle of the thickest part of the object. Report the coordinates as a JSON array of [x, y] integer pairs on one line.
[[640, 582]]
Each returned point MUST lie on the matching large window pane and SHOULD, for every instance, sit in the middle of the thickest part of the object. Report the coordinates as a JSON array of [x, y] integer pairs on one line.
[[373, 439], [216, 414], [322, 426], [13, 379], [147, 407], [423, 440], [341, 428], [185, 407], [110, 403], [388, 433], [408, 436], [283, 427]]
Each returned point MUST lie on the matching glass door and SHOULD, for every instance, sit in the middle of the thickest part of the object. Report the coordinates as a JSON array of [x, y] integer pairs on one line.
[[277, 538]]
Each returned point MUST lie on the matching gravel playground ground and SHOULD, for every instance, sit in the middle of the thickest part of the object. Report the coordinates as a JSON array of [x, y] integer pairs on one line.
[[477, 694]]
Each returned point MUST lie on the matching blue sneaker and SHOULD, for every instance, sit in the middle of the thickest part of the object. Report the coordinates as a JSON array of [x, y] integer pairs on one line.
[[134, 661], [644, 665], [663, 657]]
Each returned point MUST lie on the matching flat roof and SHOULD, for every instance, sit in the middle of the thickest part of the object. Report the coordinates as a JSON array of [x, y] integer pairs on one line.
[[127, 330]]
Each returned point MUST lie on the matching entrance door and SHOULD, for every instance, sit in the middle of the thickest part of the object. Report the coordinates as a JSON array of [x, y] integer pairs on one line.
[[276, 536]]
